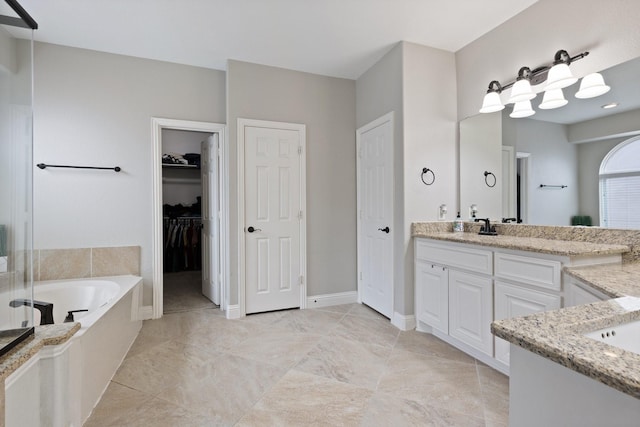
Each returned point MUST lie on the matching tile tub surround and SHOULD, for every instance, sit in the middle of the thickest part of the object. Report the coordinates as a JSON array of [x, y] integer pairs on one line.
[[559, 336], [198, 368], [80, 263], [614, 280], [629, 238]]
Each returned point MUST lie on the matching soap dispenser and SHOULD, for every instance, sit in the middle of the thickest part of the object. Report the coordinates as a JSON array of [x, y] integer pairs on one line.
[[458, 225]]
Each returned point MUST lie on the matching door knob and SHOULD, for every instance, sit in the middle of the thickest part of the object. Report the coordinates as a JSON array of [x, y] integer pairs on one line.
[[251, 229], [386, 229]]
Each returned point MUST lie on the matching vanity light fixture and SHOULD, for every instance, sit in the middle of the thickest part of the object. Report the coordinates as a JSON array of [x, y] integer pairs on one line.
[[522, 109], [522, 87], [556, 76], [553, 98], [560, 75], [592, 85], [492, 102]]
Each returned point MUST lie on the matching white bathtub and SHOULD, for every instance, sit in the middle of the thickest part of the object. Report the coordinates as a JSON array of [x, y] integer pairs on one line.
[[83, 294], [74, 375]]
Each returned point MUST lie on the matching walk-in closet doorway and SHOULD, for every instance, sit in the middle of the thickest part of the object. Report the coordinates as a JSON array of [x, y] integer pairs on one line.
[[190, 216]]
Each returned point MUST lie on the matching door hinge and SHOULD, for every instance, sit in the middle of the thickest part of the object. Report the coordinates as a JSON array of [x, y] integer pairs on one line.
[[300, 215], [301, 280], [299, 149]]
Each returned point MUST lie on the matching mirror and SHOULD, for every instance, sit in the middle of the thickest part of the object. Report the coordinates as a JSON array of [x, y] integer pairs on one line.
[[548, 164]]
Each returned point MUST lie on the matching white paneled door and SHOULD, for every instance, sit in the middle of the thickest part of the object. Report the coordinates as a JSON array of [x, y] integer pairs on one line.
[[375, 219], [273, 211], [211, 254]]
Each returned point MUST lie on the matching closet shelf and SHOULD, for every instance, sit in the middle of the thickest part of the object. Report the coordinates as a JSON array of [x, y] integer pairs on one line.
[[179, 166]]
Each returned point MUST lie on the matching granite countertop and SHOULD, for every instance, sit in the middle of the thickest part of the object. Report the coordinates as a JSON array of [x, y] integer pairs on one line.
[[44, 335], [532, 244], [559, 336], [614, 280]]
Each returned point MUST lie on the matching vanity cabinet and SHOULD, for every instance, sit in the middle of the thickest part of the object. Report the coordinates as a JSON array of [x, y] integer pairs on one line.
[[461, 288], [454, 293], [471, 310], [432, 296], [512, 300], [578, 293]]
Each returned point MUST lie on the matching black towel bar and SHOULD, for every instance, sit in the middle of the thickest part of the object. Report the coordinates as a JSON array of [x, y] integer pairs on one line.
[[553, 186], [43, 166]]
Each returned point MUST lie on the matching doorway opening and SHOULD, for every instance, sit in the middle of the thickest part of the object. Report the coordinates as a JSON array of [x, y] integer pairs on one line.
[[190, 249], [523, 168]]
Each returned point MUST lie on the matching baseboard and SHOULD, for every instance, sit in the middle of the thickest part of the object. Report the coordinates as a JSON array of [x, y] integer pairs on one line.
[[233, 311], [402, 322], [328, 300], [145, 312]]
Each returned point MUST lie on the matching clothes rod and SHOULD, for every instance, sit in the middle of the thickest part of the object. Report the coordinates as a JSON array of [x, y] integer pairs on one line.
[[553, 186], [43, 166]]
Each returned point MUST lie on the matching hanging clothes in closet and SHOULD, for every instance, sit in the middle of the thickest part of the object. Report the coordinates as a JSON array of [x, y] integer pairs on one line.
[[182, 245]]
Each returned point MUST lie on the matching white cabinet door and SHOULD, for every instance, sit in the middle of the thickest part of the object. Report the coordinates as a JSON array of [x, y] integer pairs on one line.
[[471, 310], [513, 301], [577, 294], [432, 295]]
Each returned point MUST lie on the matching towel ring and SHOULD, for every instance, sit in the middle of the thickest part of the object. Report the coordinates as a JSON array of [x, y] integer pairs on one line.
[[426, 171], [486, 181]]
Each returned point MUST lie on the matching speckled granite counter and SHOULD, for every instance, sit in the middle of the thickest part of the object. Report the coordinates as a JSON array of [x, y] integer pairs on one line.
[[44, 335], [559, 336], [533, 244], [614, 280]]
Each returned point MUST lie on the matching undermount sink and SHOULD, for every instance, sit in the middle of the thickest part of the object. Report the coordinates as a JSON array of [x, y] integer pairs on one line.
[[625, 336]]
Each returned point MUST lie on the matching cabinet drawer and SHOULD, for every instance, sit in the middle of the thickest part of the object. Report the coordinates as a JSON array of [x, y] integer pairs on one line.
[[455, 256], [534, 271]]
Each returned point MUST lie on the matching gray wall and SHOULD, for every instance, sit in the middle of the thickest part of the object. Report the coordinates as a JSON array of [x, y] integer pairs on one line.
[[326, 105], [378, 92], [95, 108], [553, 161], [418, 84]]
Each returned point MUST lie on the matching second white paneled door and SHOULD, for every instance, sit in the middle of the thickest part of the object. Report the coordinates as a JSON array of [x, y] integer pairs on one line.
[[375, 214], [273, 215]]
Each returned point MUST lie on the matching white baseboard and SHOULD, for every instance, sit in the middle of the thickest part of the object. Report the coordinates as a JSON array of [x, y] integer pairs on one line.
[[145, 312], [328, 300], [403, 322], [233, 311]]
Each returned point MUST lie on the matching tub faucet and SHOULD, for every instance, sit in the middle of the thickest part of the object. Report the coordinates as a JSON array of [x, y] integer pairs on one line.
[[45, 308], [487, 229]]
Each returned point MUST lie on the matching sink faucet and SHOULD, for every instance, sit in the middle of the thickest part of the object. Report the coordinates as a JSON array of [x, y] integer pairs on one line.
[[487, 229], [508, 220], [45, 308]]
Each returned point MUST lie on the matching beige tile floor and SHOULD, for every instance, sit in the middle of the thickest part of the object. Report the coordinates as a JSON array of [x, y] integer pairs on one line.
[[338, 366], [182, 291]]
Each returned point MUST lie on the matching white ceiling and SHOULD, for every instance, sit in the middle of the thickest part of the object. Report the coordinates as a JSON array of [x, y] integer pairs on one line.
[[340, 38]]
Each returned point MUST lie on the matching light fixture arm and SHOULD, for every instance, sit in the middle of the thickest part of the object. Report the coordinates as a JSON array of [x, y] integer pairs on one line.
[[538, 75], [494, 86]]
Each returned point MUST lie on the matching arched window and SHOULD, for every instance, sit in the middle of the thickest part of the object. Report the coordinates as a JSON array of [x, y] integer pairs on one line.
[[620, 186]]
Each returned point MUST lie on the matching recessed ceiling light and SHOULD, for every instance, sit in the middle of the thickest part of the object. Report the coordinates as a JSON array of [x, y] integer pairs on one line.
[[610, 105]]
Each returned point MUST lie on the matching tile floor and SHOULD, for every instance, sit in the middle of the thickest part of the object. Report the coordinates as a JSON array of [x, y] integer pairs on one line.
[[337, 366], [182, 291]]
